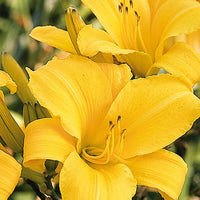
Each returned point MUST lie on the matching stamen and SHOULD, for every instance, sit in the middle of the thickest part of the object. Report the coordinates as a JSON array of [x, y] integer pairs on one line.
[[120, 8], [121, 146], [113, 147], [112, 141], [118, 118], [102, 158], [138, 17], [139, 32], [131, 3], [128, 23]]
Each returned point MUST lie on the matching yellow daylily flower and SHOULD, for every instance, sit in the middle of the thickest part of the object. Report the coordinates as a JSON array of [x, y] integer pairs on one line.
[[142, 26], [104, 135], [136, 30]]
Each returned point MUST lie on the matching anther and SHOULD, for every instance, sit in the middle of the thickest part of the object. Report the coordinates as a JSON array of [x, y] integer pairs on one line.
[[138, 17], [112, 127], [126, 8], [121, 4], [110, 123], [123, 131], [120, 8], [131, 3], [118, 118], [122, 134]]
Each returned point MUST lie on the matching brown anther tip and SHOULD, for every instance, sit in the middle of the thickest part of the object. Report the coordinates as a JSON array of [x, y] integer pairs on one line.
[[119, 118], [110, 123], [121, 4], [138, 17], [136, 13], [112, 126], [131, 3], [123, 131], [66, 10], [126, 8], [120, 8], [73, 10]]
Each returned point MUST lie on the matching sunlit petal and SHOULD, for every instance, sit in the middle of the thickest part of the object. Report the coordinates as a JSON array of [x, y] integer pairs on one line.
[[158, 110], [46, 139], [140, 62], [82, 181], [53, 36], [174, 18], [72, 88], [119, 75], [91, 41], [107, 13], [162, 169], [10, 171], [182, 61]]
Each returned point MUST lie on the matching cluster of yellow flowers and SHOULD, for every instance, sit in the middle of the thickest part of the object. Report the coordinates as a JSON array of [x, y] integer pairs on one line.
[[97, 121]]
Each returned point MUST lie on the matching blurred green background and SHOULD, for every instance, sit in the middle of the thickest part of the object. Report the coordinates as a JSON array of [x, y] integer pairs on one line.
[[17, 19]]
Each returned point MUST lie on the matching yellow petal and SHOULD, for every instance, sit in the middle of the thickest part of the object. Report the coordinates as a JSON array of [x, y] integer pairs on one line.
[[154, 111], [140, 62], [46, 139], [181, 61], [53, 36], [107, 13], [91, 41], [10, 171], [162, 169], [172, 19], [6, 81], [82, 181], [119, 75], [77, 90], [193, 40]]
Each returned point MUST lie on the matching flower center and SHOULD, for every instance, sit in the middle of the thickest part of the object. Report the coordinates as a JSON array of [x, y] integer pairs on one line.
[[113, 146], [130, 26]]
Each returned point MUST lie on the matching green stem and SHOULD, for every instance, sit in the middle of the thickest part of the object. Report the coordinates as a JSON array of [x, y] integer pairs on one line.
[[50, 187], [36, 189], [32, 175], [189, 159]]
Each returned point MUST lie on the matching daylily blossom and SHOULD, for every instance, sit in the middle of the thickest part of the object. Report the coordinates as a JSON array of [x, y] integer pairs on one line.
[[108, 131], [10, 169], [136, 30], [140, 25]]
